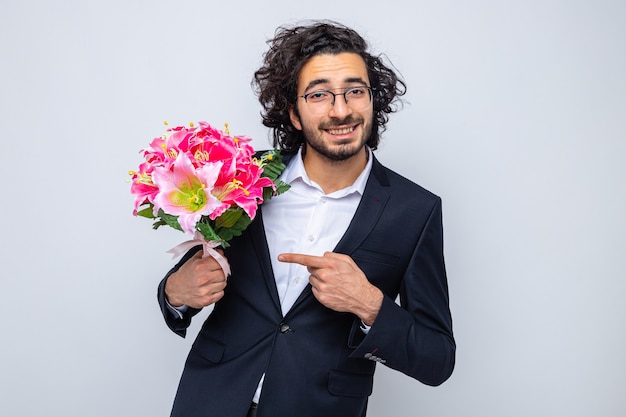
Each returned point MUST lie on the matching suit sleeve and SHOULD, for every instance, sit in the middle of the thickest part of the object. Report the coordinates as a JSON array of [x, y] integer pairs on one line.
[[176, 324], [416, 336]]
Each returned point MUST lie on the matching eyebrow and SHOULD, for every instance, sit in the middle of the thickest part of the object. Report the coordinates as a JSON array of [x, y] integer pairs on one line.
[[350, 80]]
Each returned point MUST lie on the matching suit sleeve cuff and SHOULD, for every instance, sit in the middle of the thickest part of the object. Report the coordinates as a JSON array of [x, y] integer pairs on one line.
[[177, 312]]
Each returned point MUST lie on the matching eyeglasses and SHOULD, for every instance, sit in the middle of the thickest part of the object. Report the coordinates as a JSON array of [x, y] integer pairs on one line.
[[321, 101]]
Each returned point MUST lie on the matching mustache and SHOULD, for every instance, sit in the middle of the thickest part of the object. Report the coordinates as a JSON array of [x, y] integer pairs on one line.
[[350, 120]]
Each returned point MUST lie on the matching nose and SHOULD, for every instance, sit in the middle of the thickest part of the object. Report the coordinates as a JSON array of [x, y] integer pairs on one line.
[[340, 108]]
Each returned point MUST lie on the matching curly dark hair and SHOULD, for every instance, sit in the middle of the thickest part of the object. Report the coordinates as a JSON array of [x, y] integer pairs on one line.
[[275, 82]]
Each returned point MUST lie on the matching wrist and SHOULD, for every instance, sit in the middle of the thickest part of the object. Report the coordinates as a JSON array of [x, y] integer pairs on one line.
[[170, 296], [371, 307]]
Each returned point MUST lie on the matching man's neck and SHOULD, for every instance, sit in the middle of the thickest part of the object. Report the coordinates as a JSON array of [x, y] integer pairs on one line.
[[333, 175]]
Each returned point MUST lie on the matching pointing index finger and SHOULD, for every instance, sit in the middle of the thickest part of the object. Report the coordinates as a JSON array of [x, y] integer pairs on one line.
[[302, 259]]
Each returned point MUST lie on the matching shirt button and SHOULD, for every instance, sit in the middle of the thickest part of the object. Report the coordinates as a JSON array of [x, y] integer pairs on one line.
[[311, 238], [323, 200]]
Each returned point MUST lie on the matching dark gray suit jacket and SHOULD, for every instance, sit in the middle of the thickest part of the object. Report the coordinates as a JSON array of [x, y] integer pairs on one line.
[[317, 361]]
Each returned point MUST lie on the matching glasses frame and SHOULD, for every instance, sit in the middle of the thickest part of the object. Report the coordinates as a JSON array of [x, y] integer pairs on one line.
[[369, 89]]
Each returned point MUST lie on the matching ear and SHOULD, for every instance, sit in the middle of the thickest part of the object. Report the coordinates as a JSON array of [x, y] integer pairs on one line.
[[295, 119]]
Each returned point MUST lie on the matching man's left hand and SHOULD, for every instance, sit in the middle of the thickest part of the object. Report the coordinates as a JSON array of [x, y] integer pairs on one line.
[[339, 284]]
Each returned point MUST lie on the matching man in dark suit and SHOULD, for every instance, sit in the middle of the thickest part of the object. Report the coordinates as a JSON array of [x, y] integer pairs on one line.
[[309, 309]]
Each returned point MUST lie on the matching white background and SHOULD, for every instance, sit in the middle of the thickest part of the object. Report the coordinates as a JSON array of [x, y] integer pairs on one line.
[[516, 117]]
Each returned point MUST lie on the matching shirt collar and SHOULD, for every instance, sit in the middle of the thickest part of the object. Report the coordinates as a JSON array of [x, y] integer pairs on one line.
[[295, 171]]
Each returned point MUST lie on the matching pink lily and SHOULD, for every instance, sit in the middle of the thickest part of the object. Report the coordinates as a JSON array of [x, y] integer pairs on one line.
[[185, 191], [245, 191], [142, 186]]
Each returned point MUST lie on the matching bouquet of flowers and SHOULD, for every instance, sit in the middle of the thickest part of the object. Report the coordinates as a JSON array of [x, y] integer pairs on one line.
[[206, 183]]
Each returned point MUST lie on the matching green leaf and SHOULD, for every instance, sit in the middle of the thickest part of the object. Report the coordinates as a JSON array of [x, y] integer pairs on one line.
[[236, 229], [168, 219], [208, 232], [272, 162], [273, 166], [158, 224], [229, 217], [281, 187], [147, 212]]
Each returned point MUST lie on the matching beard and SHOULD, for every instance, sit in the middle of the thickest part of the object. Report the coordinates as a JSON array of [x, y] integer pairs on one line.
[[337, 151]]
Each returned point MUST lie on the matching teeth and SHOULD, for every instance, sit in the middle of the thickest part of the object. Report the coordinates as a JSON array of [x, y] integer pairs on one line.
[[341, 131]]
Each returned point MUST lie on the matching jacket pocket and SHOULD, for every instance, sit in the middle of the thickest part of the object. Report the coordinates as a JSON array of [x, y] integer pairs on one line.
[[209, 348], [350, 385], [376, 256]]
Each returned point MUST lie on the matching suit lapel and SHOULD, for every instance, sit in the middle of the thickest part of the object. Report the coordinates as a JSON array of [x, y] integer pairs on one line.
[[257, 232], [373, 202]]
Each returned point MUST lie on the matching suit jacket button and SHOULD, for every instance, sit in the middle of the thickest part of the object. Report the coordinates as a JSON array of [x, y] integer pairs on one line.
[[284, 328]]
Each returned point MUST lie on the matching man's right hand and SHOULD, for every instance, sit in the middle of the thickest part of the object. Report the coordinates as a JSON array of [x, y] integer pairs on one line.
[[198, 283]]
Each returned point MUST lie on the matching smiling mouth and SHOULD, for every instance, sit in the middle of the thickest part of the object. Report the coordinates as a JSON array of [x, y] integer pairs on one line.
[[342, 131]]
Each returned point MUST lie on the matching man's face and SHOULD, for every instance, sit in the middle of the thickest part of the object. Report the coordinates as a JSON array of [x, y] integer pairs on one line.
[[336, 132]]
